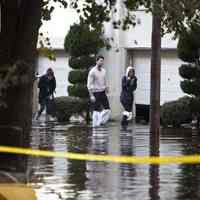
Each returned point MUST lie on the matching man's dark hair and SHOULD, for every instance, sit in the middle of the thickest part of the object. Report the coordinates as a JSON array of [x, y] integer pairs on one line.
[[99, 57]]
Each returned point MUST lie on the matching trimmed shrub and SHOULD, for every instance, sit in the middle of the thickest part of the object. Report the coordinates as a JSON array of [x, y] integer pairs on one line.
[[82, 44], [186, 50], [78, 76], [195, 105], [177, 112], [81, 40], [82, 62], [67, 106], [188, 71], [191, 87], [78, 90]]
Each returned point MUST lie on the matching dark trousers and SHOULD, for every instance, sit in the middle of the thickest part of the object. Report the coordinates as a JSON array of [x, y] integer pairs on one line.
[[101, 101], [128, 106], [43, 105]]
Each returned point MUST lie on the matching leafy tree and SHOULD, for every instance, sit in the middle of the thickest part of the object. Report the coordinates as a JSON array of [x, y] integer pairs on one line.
[[21, 20], [189, 51], [82, 44], [168, 16]]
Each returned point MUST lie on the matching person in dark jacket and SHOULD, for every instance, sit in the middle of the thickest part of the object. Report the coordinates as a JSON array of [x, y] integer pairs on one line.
[[47, 86], [129, 85]]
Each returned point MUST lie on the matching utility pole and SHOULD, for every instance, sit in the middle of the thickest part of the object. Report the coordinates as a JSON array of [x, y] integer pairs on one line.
[[155, 71]]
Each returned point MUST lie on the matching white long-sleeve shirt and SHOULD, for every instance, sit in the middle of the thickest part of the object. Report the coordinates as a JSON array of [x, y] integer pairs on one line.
[[96, 80]]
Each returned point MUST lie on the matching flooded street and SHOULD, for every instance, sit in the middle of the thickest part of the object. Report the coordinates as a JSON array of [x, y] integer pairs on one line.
[[62, 179]]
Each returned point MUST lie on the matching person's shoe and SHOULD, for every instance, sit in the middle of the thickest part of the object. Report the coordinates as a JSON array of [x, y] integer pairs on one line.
[[125, 113], [96, 119], [130, 116], [105, 116]]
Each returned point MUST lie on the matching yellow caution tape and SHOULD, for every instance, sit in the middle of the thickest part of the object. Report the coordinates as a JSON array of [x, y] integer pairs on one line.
[[192, 159]]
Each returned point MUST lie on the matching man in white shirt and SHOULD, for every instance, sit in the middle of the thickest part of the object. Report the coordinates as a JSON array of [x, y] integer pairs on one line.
[[98, 90]]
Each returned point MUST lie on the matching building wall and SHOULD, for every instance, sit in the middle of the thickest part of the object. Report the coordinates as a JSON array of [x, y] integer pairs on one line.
[[170, 79], [128, 47], [134, 47], [61, 70]]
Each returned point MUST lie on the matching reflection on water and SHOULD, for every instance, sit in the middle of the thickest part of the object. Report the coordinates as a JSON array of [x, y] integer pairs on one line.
[[57, 178], [97, 172], [154, 174], [189, 181]]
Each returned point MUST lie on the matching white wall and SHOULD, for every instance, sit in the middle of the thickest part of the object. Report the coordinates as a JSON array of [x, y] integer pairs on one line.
[[136, 39], [140, 35], [116, 61], [170, 78], [114, 65], [61, 70]]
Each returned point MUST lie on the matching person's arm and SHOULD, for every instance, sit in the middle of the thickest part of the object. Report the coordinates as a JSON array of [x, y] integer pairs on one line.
[[106, 83], [54, 85], [90, 84], [40, 82], [125, 83], [133, 83]]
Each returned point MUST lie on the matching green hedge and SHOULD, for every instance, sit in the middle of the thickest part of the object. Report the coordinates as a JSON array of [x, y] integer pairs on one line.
[[82, 44], [78, 90], [191, 87], [175, 113], [82, 62], [195, 105], [186, 48], [78, 76], [81, 40], [67, 106], [188, 71]]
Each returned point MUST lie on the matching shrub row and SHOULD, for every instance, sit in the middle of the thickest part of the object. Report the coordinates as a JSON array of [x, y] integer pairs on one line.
[[177, 112], [81, 62], [78, 76], [81, 40], [67, 106], [188, 71], [78, 90], [191, 86]]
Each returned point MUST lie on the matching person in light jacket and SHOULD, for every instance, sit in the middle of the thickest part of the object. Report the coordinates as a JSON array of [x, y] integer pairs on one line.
[[98, 89], [129, 85]]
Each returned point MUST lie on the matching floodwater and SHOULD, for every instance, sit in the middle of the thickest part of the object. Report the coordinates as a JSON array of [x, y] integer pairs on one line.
[[62, 179]]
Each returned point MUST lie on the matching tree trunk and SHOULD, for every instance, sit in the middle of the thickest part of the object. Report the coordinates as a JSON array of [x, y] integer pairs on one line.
[[19, 32], [154, 179], [155, 75]]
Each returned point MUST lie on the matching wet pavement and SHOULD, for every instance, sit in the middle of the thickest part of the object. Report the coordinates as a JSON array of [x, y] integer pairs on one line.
[[62, 179]]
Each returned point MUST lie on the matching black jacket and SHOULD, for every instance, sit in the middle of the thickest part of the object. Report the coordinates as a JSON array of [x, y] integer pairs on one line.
[[46, 86], [128, 86]]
